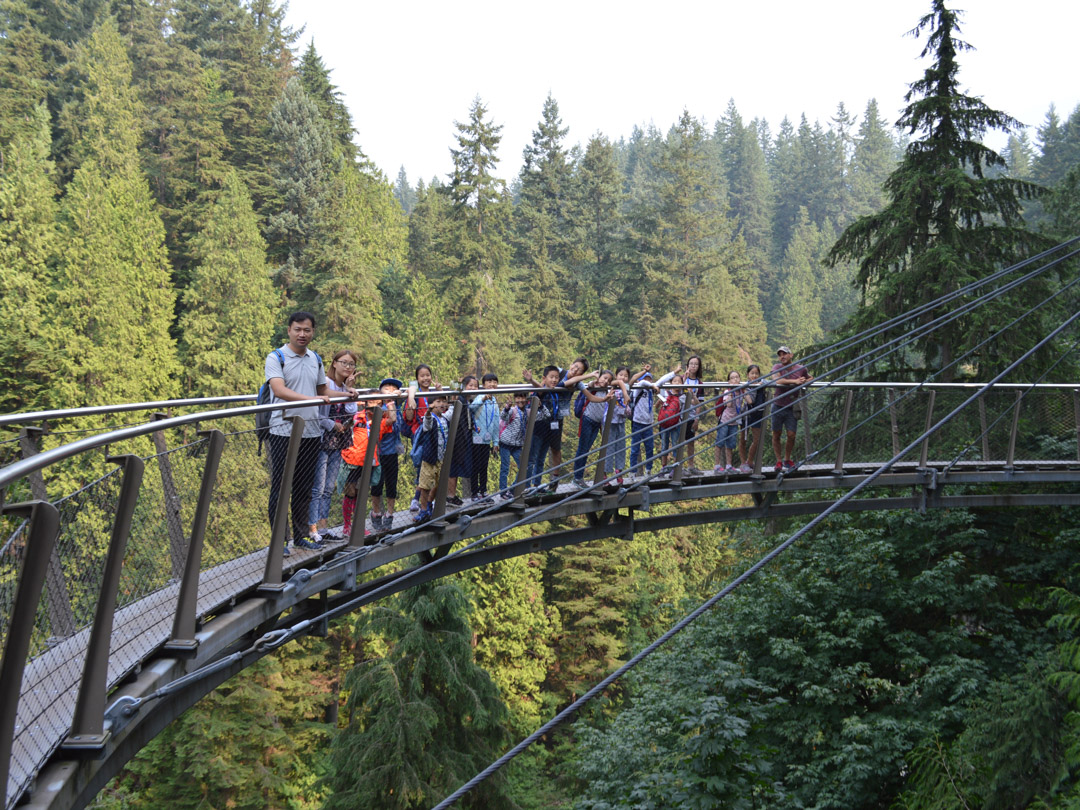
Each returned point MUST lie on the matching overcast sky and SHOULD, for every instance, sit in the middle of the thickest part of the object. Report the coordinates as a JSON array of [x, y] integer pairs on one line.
[[408, 71]]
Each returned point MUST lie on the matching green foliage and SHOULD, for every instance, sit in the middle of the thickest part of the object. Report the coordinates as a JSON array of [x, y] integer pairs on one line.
[[29, 250], [514, 627], [114, 301], [252, 743], [947, 222], [425, 718], [230, 309]]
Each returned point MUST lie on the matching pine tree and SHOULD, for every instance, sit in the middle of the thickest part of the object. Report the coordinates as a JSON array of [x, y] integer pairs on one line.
[[404, 193], [423, 719], [24, 70], [542, 223], [114, 298], [946, 223], [748, 190], [183, 149], [230, 307], [29, 250], [315, 78], [304, 170], [475, 280], [875, 157], [687, 257], [514, 629], [798, 317]]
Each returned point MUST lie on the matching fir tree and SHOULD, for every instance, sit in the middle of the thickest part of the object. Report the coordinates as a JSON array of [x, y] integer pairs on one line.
[[475, 280], [29, 250], [114, 298], [315, 77], [542, 221], [404, 193], [230, 307], [798, 317], [423, 719], [946, 223], [874, 158], [303, 175]]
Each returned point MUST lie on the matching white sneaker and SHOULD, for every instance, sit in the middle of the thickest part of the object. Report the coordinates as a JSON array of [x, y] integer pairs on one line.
[[414, 506]]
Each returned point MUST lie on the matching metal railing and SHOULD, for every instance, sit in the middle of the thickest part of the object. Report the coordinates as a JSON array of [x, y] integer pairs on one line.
[[152, 509]]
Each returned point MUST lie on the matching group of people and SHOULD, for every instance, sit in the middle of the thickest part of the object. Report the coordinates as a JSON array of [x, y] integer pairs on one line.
[[336, 434]]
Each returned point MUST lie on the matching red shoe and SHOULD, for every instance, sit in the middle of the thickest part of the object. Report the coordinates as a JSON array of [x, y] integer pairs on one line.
[[779, 466]]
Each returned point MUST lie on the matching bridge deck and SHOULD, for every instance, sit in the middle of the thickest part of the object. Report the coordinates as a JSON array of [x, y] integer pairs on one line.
[[50, 683]]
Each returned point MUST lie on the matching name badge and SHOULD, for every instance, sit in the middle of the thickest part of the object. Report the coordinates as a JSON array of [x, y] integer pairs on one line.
[[554, 424]]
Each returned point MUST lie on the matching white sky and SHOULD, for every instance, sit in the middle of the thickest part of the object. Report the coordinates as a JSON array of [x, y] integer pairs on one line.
[[408, 70]]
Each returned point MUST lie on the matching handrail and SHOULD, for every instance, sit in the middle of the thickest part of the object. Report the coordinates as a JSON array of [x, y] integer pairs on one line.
[[17, 418]]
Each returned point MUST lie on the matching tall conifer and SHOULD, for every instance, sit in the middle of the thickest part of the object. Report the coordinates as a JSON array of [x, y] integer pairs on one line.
[[29, 250], [115, 300], [946, 223], [230, 307]]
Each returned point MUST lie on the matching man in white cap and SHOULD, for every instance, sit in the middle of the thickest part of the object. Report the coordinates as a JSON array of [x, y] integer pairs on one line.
[[786, 374]]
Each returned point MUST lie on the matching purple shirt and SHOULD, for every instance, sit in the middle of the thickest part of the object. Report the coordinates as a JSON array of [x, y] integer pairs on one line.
[[781, 400]]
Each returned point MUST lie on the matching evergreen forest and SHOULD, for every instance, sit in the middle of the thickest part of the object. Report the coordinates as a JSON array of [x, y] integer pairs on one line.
[[176, 177]]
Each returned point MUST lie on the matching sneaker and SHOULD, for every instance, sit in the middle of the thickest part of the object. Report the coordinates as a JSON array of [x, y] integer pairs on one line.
[[508, 495], [422, 515], [788, 465], [307, 543], [415, 505], [746, 468], [454, 500], [779, 466], [577, 484], [287, 552], [728, 470]]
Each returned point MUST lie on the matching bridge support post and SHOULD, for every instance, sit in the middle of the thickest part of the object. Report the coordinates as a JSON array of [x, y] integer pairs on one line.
[[766, 437], [275, 555], [88, 723], [1076, 416], [1013, 430], [808, 441], [43, 528], [924, 453], [448, 459], [61, 618], [680, 449], [893, 426], [526, 447], [183, 632], [359, 523], [838, 468], [601, 472], [170, 499], [983, 429]]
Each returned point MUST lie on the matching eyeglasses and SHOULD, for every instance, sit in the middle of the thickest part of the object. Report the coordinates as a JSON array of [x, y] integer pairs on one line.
[[345, 364]]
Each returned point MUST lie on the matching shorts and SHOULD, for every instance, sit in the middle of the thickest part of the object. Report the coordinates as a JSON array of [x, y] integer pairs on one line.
[[555, 438], [388, 475], [353, 474], [429, 474], [784, 418], [727, 435]]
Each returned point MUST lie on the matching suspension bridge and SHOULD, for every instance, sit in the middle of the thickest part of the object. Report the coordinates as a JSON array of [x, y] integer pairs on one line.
[[138, 570]]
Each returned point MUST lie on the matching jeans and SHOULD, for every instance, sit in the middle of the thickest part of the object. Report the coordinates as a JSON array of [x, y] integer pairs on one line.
[[589, 431], [615, 458], [641, 435], [303, 479], [669, 437], [541, 442], [506, 452], [322, 490]]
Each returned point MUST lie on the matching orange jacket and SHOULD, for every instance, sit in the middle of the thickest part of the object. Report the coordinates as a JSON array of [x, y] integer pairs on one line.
[[354, 454]]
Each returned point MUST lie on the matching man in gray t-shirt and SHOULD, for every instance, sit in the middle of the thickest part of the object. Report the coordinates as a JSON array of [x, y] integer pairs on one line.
[[295, 373]]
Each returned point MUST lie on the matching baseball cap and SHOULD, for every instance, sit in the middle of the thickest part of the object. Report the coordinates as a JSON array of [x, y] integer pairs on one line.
[[784, 350]]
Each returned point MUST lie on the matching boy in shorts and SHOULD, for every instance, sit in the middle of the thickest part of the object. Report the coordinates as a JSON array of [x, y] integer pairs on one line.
[[434, 431]]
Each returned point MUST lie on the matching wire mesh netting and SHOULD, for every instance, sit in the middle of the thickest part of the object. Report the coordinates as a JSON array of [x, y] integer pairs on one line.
[[482, 467]]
